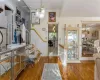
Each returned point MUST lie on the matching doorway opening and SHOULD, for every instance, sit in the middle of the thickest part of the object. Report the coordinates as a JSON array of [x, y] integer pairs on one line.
[[53, 39], [72, 43], [90, 38]]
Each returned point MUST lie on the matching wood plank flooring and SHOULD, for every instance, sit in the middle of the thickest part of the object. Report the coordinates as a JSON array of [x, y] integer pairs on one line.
[[82, 71]]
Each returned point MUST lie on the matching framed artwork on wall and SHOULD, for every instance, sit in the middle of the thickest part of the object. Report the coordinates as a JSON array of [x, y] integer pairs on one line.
[[35, 19], [52, 17]]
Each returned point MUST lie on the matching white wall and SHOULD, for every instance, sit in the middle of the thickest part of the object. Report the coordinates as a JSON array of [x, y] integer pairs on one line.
[[39, 44], [73, 21], [44, 34]]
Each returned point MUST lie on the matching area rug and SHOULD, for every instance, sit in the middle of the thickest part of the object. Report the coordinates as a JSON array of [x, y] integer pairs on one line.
[[51, 72]]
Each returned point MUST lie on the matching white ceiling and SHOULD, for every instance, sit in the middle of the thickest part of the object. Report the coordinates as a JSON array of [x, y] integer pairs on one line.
[[22, 5], [48, 4], [81, 8], [70, 8]]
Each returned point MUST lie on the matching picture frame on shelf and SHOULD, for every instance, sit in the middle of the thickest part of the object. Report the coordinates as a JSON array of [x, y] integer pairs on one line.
[[35, 19]]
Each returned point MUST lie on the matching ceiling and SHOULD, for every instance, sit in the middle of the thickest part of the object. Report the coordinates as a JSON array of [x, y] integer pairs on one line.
[[69, 8], [48, 4], [81, 8], [22, 5]]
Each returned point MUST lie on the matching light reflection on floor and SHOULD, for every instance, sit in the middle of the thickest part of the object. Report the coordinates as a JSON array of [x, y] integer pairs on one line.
[[53, 51]]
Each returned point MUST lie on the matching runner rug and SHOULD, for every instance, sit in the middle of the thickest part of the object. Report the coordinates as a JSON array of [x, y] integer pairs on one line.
[[51, 72]]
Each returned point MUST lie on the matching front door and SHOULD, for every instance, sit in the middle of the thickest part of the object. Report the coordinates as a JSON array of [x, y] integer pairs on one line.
[[72, 43]]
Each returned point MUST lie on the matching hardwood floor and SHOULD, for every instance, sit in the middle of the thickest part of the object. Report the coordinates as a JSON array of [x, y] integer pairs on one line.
[[82, 71]]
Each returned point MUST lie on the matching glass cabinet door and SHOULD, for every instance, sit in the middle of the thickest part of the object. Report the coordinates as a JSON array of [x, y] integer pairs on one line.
[[23, 63], [72, 44], [5, 67], [16, 65]]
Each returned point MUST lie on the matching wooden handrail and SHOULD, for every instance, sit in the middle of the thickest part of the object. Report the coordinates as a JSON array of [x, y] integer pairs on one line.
[[62, 46], [38, 35]]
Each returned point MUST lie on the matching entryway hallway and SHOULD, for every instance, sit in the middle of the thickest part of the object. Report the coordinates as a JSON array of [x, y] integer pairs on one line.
[[49, 40], [73, 71]]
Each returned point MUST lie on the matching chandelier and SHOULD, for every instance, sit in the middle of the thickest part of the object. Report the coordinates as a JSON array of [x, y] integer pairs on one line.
[[41, 11]]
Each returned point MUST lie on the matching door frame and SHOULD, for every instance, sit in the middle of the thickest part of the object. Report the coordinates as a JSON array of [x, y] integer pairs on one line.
[[57, 34], [66, 43], [83, 22]]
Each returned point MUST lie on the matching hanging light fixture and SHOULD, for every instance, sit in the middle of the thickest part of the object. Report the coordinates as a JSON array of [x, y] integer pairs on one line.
[[41, 15], [37, 13], [41, 11]]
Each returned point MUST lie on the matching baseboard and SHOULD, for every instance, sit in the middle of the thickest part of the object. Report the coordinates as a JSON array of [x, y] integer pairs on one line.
[[86, 58], [74, 61]]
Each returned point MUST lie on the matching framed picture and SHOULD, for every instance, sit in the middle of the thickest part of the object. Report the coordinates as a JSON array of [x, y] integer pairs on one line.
[[35, 19], [52, 17]]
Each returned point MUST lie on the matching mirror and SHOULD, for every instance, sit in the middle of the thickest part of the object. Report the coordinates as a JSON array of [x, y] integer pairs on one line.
[[90, 38]]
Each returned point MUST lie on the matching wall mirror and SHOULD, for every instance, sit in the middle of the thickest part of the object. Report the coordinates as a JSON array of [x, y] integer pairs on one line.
[[90, 38]]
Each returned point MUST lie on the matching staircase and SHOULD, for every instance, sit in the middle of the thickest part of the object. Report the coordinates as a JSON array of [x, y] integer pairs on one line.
[[39, 41], [33, 52]]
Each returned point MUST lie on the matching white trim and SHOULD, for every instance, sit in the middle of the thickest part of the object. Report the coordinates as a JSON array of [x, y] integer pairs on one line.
[[53, 23], [89, 22], [74, 61], [86, 58]]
